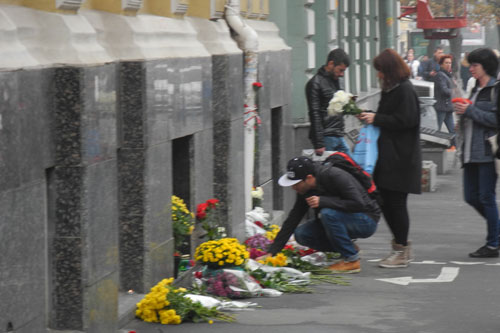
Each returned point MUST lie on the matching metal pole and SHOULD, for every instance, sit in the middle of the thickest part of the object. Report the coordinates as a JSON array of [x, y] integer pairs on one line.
[[387, 22]]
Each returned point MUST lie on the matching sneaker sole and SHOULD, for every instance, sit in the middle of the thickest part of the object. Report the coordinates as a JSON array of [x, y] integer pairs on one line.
[[346, 272], [488, 256]]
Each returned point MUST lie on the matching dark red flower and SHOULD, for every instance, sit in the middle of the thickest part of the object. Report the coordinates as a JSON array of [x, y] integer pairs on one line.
[[212, 203], [201, 215], [198, 275], [260, 224], [202, 207]]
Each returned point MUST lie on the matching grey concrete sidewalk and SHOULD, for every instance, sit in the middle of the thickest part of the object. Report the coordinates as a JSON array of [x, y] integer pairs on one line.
[[444, 229]]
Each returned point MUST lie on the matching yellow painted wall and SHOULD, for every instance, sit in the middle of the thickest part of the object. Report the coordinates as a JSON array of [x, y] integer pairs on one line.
[[202, 8], [44, 5], [160, 7], [110, 6]]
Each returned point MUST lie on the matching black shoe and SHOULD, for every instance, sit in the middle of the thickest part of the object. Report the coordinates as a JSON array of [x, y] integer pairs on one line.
[[484, 252]]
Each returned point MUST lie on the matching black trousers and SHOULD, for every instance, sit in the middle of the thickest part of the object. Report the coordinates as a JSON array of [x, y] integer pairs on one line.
[[395, 210]]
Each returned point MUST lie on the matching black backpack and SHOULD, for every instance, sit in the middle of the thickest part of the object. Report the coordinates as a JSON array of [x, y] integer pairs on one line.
[[345, 162]]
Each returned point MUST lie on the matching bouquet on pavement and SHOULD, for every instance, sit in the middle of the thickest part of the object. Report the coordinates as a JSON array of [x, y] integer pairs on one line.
[[343, 103]]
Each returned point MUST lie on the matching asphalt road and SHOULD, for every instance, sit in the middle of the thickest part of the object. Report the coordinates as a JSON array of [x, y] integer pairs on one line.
[[447, 291]]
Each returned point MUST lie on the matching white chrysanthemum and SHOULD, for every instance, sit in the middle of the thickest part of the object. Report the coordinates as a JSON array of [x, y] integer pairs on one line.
[[340, 98], [258, 193]]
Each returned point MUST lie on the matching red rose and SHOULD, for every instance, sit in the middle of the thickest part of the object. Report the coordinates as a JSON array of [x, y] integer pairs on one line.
[[258, 223], [257, 85], [212, 202], [202, 207], [201, 215], [198, 275]]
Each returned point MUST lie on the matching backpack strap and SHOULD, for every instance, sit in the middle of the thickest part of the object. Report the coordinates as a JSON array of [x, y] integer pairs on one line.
[[348, 158]]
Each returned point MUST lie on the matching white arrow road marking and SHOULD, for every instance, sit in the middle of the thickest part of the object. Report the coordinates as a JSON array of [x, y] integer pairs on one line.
[[467, 262], [448, 274], [428, 262]]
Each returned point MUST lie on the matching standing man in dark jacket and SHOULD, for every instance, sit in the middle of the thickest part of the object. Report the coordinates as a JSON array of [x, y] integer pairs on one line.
[[431, 67], [343, 211], [327, 132]]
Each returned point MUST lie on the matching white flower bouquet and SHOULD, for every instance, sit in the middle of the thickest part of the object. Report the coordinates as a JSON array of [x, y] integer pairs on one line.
[[343, 102]]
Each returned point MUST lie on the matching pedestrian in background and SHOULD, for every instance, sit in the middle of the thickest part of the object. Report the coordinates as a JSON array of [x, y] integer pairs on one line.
[[431, 67], [413, 64], [443, 89], [398, 169], [327, 132], [478, 123], [464, 71]]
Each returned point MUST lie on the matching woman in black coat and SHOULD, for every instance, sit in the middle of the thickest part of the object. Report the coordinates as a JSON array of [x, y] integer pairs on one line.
[[399, 165]]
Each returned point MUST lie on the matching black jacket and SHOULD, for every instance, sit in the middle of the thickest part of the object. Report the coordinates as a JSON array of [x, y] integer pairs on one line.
[[429, 66], [443, 88], [399, 163], [319, 91], [337, 189]]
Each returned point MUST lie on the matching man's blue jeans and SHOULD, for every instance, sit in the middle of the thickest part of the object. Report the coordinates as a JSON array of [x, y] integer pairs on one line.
[[334, 232], [480, 180], [336, 143]]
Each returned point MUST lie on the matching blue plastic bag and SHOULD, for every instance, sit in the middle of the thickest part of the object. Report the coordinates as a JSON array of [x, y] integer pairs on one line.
[[366, 150]]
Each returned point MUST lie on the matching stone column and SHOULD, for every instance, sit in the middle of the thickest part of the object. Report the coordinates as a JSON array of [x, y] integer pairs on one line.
[[84, 248]]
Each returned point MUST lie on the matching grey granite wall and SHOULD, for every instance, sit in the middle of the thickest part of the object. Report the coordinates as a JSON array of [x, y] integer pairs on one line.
[[83, 252], [159, 101], [228, 110], [86, 173], [25, 153]]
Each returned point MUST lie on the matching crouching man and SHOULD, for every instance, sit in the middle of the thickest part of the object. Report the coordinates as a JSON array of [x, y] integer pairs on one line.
[[342, 207]]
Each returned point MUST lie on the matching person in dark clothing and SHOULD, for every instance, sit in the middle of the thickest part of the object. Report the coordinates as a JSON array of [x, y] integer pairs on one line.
[[478, 123], [326, 132], [443, 88], [399, 165], [464, 71], [343, 211], [431, 67]]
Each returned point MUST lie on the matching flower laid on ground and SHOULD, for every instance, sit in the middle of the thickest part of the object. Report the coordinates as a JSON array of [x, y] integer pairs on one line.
[[258, 241], [183, 222], [225, 252], [278, 260], [226, 284], [255, 253], [257, 84], [167, 305], [343, 102], [280, 281], [208, 216], [290, 250], [273, 231], [318, 273]]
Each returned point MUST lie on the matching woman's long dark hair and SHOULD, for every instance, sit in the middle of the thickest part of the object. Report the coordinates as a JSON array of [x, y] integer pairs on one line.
[[392, 66]]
